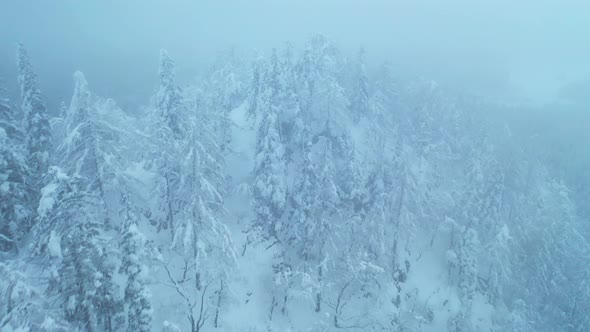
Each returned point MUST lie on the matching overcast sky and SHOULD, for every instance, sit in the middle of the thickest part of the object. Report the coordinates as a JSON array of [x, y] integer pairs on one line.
[[524, 49]]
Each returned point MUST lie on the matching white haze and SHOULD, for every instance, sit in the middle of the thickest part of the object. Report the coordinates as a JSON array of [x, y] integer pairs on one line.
[[203, 175], [532, 51]]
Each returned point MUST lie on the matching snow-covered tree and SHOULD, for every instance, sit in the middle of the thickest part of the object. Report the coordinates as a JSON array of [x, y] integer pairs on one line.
[[193, 204], [203, 238], [166, 185], [8, 120], [467, 274], [321, 101], [168, 100], [36, 124], [269, 187], [380, 205], [87, 150], [325, 226], [288, 108], [15, 209], [257, 68], [315, 77], [313, 230], [467, 267], [553, 254], [352, 181], [166, 130], [137, 294], [224, 92], [70, 234], [359, 102], [23, 307], [495, 234]]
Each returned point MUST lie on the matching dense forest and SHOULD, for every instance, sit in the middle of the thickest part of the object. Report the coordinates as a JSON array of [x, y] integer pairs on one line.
[[299, 190]]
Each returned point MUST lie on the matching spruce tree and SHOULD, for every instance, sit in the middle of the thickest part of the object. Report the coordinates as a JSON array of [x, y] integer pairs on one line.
[[169, 97], [203, 238], [137, 293], [36, 125], [256, 85], [15, 209], [360, 91], [86, 150], [313, 230], [167, 131], [224, 91], [269, 171], [69, 234]]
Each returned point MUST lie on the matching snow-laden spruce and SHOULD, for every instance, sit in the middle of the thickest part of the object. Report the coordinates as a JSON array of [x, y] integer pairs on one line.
[[15, 210]]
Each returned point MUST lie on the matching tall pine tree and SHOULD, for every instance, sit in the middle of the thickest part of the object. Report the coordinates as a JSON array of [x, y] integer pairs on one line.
[[137, 293], [15, 209], [36, 125]]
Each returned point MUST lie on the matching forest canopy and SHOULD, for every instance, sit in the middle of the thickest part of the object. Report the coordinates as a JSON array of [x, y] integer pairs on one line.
[[298, 187]]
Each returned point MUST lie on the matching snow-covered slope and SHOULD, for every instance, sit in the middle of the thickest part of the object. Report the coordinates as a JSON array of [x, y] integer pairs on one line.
[[296, 193]]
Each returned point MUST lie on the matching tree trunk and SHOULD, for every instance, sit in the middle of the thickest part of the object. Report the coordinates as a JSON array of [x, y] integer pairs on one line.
[[318, 298], [219, 294]]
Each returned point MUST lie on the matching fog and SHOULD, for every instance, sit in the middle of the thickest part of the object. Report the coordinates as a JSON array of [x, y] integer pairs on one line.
[[408, 165], [529, 50]]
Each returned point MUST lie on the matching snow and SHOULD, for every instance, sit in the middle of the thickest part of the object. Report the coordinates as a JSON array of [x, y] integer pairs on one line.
[[48, 199], [49, 324], [4, 187], [420, 258], [54, 245], [141, 179], [169, 327]]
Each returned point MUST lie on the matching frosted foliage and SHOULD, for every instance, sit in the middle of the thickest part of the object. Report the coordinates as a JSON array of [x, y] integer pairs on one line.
[[305, 189], [269, 185], [168, 98], [137, 294], [15, 197], [36, 123]]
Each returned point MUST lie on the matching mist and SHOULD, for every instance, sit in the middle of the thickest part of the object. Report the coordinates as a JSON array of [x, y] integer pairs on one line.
[[281, 165], [532, 51]]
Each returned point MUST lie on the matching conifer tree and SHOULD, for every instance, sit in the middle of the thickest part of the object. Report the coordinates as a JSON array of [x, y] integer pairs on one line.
[[137, 294], [467, 279], [256, 85], [36, 125], [169, 97], [86, 151], [314, 208], [360, 94], [203, 238], [23, 306], [15, 209], [224, 93], [70, 235], [269, 172], [167, 130], [352, 184]]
